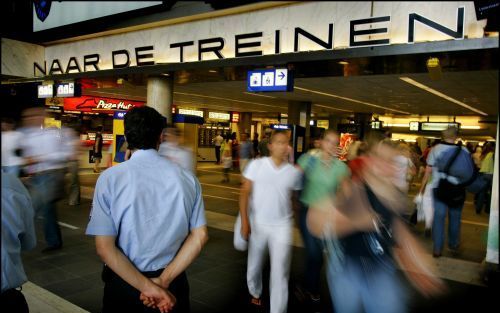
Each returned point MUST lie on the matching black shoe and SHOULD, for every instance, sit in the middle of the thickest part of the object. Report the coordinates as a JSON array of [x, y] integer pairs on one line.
[[436, 254], [52, 248]]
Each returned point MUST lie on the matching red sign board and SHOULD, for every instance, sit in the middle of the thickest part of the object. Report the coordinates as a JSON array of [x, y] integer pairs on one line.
[[235, 118], [99, 104]]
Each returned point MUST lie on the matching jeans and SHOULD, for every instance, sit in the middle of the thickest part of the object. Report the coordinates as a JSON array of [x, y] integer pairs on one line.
[[454, 222], [46, 190], [314, 254], [363, 285], [484, 196]]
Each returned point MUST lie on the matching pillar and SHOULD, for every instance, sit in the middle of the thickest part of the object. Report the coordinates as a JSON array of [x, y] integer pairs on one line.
[[492, 247], [334, 121], [299, 113], [245, 124], [161, 95], [363, 119]]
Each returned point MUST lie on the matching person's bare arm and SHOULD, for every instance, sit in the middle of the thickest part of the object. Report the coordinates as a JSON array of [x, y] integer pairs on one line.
[[190, 249], [246, 189], [118, 262]]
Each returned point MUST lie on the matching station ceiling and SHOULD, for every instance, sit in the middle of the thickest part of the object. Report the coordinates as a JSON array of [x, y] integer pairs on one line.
[[455, 93]]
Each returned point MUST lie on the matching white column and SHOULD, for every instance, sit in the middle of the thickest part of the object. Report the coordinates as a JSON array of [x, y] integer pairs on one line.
[[161, 95]]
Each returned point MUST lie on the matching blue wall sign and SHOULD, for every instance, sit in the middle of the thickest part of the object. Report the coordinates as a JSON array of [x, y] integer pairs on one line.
[[278, 79]]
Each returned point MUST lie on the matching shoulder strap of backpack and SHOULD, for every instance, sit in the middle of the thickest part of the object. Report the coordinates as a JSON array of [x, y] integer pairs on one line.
[[451, 160]]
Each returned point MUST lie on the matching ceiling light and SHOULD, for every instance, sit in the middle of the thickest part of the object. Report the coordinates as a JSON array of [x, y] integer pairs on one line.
[[165, 74], [343, 63], [332, 108], [220, 98], [349, 99], [470, 127], [439, 94], [397, 125], [212, 71], [256, 94]]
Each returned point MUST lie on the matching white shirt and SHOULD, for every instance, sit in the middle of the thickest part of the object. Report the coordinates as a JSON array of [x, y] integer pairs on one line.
[[272, 190], [11, 141], [218, 140], [47, 146], [179, 155], [434, 160]]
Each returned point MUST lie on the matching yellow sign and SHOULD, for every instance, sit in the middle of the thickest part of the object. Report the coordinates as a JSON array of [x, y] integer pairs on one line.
[[324, 124]]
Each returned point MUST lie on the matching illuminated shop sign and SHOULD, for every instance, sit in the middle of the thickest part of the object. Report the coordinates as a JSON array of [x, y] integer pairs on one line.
[[323, 124], [99, 105], [414, 126], [219, 116], [191, 112], [68, 90], [317, 34], [281, 126], [235, 118], [46, 91], [437, 126]]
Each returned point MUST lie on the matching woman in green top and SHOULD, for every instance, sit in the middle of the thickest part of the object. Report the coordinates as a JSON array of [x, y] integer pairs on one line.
[[323, 174], [486, 171]]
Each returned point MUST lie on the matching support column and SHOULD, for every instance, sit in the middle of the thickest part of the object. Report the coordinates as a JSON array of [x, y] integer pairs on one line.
[[299, 113], [333, 122], [161, 95], [245, 123], [363, 119]]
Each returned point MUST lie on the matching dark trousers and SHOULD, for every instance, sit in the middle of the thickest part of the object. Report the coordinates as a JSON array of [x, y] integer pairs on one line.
[[119, 296], [13, 301], [314, 254], [217, 154]]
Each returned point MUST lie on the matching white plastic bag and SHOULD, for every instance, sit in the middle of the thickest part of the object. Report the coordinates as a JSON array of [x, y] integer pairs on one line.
[[428, 206], [419, 207], [239, 242]]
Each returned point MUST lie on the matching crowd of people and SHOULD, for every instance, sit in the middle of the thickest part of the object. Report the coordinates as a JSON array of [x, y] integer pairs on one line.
[[148, 216]]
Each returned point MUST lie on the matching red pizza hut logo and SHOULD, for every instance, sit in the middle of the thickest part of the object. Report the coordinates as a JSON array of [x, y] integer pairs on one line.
[[113, 106]]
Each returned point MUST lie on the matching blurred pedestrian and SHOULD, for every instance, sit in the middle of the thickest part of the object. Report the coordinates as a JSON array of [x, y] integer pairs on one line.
[[97, 155], [11, 140], [323, 172], [172, 149], [227, 159], [72, 144], [268, 188], [263, 149], [18, 234], [255, 143], [486, 171], [149, 223], [246, 153], [441, 156], [217, 141], [365, 238], [46, 159]]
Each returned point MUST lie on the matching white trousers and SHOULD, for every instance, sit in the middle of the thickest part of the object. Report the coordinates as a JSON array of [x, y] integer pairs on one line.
[[278, 241]]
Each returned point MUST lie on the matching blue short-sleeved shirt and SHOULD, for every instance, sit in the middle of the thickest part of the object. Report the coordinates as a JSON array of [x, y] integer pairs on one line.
[[18, 230], [150, 205]]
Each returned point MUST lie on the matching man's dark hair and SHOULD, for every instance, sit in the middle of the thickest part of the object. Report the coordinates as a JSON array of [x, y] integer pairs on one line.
[[143, 127]]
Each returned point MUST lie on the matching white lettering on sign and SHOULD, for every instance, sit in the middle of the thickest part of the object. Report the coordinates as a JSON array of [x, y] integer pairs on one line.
[[191, 112], [114, 106], [219, 116]]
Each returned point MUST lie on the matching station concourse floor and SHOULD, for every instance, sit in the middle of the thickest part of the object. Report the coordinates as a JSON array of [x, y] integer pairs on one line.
[[69, 280]]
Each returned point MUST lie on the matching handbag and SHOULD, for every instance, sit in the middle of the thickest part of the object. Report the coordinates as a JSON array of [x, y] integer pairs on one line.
[[450, 194]]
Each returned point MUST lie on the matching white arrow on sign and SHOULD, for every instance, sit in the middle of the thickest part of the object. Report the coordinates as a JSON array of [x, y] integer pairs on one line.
[[281, 77]]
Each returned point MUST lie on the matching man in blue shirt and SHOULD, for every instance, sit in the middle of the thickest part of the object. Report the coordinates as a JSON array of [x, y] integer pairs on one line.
[[18, 233], [149, 221]]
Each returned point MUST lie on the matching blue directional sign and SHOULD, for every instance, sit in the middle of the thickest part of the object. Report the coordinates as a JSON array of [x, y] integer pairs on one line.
[[270, 80]]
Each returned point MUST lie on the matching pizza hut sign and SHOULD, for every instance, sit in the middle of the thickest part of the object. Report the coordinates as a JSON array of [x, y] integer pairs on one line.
[[99, 104], [114, 106]]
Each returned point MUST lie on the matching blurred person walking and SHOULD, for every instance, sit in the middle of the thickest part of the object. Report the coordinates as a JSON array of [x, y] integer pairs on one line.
[[268, 188], [448, 195], [11, 140], [486, 171], [246, 153], [365, 238], [72, 144], [217, 141], [323, 172], [263, 149], [172, 149], [227, 160], [149, 224], [18, 234], [46, 160], [255, 143], [97, 155]]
